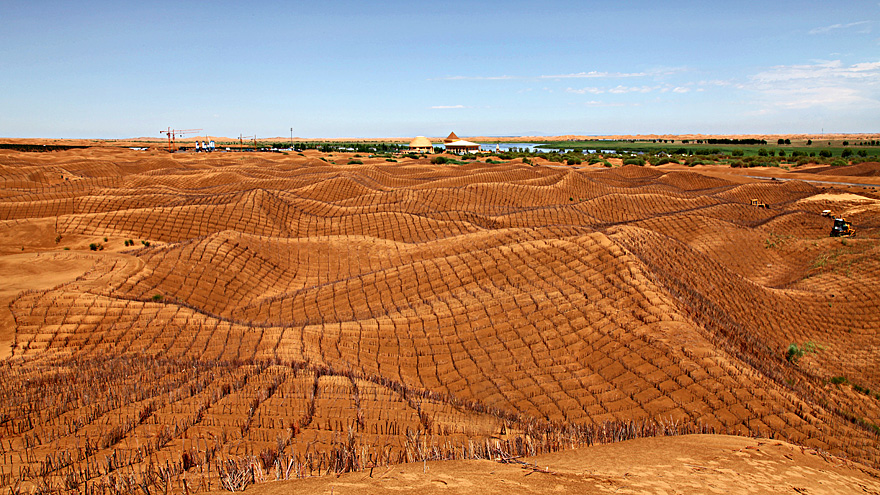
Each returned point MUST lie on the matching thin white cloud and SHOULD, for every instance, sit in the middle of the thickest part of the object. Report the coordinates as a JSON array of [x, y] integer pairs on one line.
[[622, 90], [447, 107], [658, 72], [594, 103], [829, 84], [584, 91], [833, 70], [619, 89], [478, 78], [594, 74], [828, 29]]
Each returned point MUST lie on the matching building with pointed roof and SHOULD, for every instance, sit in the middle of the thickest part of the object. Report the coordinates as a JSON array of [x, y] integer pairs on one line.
[[451, 138], [461, 147]]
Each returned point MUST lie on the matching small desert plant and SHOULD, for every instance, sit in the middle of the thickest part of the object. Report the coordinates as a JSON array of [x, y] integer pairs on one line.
[[776, 240], [355, 162], [439, 160], [156, 297], [795, 352], [837, 380]]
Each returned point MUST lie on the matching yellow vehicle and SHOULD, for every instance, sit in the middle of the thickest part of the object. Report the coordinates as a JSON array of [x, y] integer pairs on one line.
[[842, 228], [757, 203]]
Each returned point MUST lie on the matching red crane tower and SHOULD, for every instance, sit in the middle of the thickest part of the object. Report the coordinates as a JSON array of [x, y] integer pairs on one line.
[[241, 141], [174, 133]]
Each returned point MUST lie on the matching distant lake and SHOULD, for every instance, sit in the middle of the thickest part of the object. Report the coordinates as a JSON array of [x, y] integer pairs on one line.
[[530, 147]]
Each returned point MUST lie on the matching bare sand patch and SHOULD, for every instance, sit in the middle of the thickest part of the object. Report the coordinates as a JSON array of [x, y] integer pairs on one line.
[[691, 464], [33, 271]]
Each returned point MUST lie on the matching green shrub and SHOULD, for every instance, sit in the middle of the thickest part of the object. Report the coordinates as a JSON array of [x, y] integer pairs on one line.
[[392, 160], [355, 162], [634, 161], [93, 246], [665, 160], [794, 353], [839, 163], [156, 297], [825, 154], [439, 160], [573, 160], [837, 380]]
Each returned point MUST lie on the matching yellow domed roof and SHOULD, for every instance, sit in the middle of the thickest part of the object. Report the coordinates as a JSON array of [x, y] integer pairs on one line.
[[420, 142]]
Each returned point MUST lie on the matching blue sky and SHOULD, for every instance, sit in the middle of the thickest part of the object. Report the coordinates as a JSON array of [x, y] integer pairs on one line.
[[362, 69]]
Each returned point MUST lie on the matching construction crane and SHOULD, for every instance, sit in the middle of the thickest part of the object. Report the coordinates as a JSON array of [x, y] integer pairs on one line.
[[241, 141], [175, 133]]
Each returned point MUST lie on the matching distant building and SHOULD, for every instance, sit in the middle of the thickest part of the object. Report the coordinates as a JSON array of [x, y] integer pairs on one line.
[[421, 144], [451, 138], [461, 147]]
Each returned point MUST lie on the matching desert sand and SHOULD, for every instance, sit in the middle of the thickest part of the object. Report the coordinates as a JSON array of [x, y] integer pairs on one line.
[[692, 464], [253, 317]]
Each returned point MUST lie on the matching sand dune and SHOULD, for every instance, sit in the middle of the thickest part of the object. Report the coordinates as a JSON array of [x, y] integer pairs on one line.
[[280, 317]]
